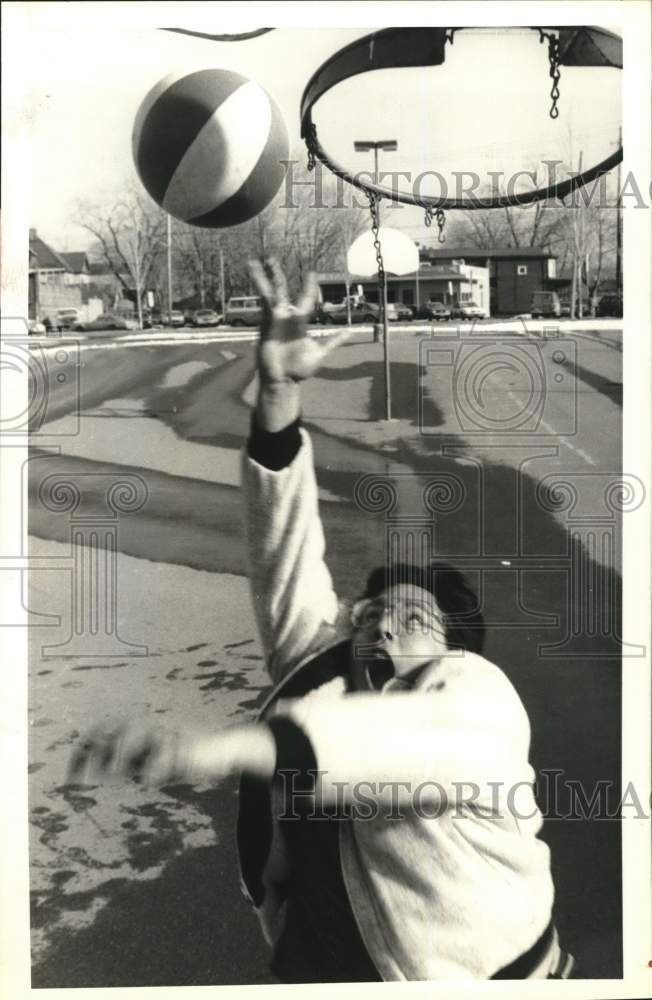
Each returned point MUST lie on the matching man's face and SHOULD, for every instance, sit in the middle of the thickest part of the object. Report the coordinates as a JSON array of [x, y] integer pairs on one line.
[[395, 634]]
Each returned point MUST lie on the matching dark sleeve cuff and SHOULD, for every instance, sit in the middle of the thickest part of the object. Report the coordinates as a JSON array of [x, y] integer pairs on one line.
[[275, 450], [294, 753]]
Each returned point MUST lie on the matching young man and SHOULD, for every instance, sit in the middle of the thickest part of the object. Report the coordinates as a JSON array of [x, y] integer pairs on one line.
[[388, 828]]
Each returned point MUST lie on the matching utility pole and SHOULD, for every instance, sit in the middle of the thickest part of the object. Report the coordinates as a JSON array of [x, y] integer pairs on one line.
[[139, 289], [587, 276], [619, 227], [390, 146], [169, 252], [347, 283], [347, 292], [574, 274], [578, 245], [580, 249], [223, 303]]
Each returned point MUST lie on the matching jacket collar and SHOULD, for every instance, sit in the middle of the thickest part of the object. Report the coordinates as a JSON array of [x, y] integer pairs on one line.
[[314, 670]]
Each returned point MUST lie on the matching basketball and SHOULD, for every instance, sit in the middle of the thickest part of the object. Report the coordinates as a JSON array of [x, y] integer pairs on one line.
[[209, 146]]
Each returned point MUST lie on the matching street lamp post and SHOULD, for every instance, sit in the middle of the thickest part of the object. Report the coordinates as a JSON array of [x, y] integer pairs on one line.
[[169, 266], [389, 146]]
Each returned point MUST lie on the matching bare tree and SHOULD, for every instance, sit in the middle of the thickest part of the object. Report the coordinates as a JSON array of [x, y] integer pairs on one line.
[[590, 224], [198, 255], [600, 250], [512, 226], [131, 238], [314, 231], [484, 229]]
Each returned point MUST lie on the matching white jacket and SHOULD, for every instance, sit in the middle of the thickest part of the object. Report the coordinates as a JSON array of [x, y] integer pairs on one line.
[[457, 889]]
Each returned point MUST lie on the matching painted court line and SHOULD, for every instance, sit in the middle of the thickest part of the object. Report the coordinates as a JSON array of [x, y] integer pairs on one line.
[[578, 451], [555, 433]]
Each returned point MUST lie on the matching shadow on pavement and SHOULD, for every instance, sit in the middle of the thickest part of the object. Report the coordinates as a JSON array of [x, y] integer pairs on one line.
[[405, 401]]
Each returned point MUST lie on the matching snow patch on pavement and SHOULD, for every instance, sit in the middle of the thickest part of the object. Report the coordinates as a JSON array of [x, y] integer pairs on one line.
[[117, 408], [181, 374]]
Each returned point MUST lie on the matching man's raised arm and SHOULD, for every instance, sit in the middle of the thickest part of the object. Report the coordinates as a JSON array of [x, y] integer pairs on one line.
[[292, 589]]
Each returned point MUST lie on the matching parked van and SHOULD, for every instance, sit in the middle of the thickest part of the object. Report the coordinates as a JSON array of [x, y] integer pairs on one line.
[[545, 304], [246, 310]]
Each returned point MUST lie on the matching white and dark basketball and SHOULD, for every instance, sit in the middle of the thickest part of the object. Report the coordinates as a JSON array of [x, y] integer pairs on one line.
[[209, 147]]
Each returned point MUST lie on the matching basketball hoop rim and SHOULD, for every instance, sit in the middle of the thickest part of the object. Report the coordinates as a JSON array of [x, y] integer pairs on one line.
[[395, 48]]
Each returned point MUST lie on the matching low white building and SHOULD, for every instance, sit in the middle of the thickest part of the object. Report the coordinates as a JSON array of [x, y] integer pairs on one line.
[[452, 283]]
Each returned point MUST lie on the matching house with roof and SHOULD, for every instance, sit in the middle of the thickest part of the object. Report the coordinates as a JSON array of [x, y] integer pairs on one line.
[[49, 288], [78, 265], [59, 280]]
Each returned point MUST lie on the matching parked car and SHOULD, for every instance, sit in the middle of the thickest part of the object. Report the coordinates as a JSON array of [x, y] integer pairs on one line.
[[61, 319], [397, 312], [467, 310], [155, 319], [317, 315], [587, 310], [361, 312], [545, 304], [175, 317], [108, 321], [35, 326], [205, 317], [610, 305], [434, 310], [327, 307], [244, 310]]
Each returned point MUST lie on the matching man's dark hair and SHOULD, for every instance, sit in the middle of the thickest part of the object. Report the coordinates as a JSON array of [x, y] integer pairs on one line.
[[465, 627]]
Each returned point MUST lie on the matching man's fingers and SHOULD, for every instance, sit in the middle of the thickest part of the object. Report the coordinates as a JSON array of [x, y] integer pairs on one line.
[[280, 281], [330, 343], [96, 754], [109, 752], [261, 281], [78, 761], [309, 294], [119, 751]]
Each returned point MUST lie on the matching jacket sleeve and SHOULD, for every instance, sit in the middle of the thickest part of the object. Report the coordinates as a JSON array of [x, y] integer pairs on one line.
[[294, 602], [456, 737]]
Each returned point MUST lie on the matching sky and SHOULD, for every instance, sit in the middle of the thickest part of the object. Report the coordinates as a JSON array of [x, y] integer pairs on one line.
[[90, 65]]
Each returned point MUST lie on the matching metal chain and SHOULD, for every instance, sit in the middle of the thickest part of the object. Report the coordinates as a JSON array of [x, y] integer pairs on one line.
[[555, 74], [439, 216], [311, 142], [374, 201]]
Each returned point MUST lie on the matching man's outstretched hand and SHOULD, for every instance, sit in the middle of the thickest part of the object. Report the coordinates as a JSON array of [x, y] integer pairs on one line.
[[156, 756], [286, 351], [140, 752]]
